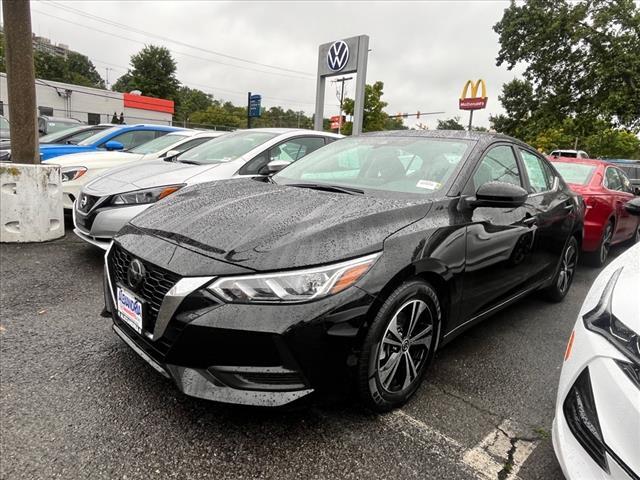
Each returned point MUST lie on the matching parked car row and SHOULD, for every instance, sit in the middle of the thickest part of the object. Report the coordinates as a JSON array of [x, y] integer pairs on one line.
[[259, 266]]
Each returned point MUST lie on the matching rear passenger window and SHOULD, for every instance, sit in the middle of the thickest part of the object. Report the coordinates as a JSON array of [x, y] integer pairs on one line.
[[498, 165], [539, 178], [612, 179]]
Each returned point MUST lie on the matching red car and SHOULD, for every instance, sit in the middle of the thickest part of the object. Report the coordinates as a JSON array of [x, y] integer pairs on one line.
[[605, 189]]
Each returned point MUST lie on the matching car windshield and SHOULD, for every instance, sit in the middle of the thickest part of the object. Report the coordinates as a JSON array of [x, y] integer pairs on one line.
[[413, 165], [59, 126], [157, 144], [576, 173], [99, 136], [226, 148], [4, 123], [54, 137]]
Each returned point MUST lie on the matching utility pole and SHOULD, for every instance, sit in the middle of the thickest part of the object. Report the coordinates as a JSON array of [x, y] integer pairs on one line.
[[21, 84], [341, 98]]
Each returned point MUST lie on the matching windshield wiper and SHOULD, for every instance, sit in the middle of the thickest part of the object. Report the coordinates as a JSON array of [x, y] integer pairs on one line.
[[328, 188], [190, 162]]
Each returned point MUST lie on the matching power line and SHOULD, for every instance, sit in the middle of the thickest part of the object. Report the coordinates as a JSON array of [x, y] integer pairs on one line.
[[93, 29], [177, 42]]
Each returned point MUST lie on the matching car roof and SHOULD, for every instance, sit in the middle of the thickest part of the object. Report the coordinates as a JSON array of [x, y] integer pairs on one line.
[[283, 131], [585, 161], [484, 138], [60, 119]]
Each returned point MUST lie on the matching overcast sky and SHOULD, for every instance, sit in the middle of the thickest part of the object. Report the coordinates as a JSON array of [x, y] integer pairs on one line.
[[422, 51]]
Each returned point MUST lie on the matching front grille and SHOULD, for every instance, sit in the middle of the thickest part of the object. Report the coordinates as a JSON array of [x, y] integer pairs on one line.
[[157, 282], [86, 202]]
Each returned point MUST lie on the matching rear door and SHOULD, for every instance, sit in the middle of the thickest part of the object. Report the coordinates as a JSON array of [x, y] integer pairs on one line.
[[551, 210], [614, 181]]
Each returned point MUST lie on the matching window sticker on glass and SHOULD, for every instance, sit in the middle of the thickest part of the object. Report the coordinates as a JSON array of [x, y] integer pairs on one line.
[[428, 184]]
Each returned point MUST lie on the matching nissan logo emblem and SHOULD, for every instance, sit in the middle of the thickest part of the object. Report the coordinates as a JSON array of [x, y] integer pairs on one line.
[[135, 273], [83, 201], [338, 56]]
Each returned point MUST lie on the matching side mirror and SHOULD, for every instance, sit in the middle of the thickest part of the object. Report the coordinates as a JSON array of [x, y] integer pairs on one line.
[[499, 195], [172, 153], [275, 166], [633, 206], [113, 145]]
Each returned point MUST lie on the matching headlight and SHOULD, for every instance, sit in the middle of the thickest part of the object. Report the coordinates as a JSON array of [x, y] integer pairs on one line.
[[295, 286], [72, 173], [601, 320], [149, 195]]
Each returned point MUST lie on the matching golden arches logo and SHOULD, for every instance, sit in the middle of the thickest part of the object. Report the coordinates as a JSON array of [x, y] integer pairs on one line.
[[473, 102]]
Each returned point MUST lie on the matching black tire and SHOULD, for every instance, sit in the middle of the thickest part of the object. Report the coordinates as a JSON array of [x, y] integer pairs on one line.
[[393, 360], [563, 278], [599, 257]]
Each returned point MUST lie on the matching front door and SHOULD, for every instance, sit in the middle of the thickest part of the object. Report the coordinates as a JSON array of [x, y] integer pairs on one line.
[[499, 240]]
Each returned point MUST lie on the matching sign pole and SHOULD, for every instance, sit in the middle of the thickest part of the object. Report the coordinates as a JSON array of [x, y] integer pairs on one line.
[[470, 119], [249, 110]]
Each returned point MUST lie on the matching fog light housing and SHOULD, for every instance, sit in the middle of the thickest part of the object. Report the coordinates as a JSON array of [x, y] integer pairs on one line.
[[579, 409]]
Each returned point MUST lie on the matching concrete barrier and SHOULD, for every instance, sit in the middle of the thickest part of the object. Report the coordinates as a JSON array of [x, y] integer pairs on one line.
[[30, 203]]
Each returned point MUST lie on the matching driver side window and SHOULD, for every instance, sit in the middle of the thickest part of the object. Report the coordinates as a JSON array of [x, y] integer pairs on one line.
[[498, 165]]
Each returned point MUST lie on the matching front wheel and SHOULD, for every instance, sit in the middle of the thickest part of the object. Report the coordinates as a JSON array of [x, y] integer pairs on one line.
[[399, 346], [564, 276]]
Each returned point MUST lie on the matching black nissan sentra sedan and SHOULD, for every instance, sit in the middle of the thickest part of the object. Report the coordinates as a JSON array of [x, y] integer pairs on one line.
[[351, 266]]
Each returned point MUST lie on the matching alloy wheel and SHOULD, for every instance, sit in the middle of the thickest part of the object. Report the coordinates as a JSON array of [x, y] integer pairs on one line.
[[404, 347], [567, 268]]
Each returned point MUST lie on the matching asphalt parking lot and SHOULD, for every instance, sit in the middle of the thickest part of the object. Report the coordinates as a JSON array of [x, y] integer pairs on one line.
[[78, 403]]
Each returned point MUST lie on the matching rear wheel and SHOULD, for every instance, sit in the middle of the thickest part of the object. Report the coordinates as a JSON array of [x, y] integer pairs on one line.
[[399, 346], [598, 258], [564, 276]]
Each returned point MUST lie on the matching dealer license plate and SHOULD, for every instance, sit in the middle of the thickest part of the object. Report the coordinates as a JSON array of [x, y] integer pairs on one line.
[[130, 309]]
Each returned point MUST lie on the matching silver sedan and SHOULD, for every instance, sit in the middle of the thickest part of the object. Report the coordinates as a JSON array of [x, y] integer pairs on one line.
[[107, 203]]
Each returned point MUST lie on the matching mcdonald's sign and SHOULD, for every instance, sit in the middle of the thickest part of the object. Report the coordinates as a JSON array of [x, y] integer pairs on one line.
[[473, 102]]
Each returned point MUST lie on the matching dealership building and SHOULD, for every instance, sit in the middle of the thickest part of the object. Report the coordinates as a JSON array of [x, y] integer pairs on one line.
[[92, 105]]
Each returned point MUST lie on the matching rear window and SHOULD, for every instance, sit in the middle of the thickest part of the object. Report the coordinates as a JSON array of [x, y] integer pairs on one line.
[[576, 173]]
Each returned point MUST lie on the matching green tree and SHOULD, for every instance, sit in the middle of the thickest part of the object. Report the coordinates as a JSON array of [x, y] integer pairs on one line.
[[190, 100], [374, 118], [153, 72], [82, 71], [450, 124], [581, 58], [221, 115]]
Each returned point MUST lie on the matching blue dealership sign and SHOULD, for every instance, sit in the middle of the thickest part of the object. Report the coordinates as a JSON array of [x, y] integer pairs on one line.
[[254, 105]]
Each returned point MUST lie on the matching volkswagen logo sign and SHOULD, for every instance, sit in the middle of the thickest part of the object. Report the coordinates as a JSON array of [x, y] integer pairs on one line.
[[135, 273], [338, 56]]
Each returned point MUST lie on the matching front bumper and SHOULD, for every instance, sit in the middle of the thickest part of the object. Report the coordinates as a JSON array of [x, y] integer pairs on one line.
[[101, 224], [617, 402], [265, 355]]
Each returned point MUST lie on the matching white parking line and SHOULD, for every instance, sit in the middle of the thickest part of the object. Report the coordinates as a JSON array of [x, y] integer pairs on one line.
[[500, 454]]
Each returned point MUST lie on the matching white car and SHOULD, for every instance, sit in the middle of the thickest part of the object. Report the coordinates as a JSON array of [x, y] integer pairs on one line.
[[596, 430], [80, 168], [106, 204], [569, 154]]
